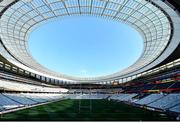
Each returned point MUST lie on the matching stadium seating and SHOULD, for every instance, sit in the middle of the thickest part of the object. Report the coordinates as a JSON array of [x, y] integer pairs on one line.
[[16, 100], [166, 101], [20, 99], [1, 108], [87, 96], [162, 86], [123, 97], [20, 86], [175, 108], [150, 98], [158, 101], [8, 103], [175, 85], [128, 97], [42, 97]]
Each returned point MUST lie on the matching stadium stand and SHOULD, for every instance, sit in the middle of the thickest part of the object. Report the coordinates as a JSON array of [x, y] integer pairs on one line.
[[166, 102], [21, 86], [20, 98], [122, 97], [8, 103], [87, 96], [175, 108], [149, 99]]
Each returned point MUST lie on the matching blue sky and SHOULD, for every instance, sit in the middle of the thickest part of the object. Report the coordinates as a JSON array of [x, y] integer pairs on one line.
[[85, 46]]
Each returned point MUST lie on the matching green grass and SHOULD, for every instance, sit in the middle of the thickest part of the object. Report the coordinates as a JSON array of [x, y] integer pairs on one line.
[[69, 110]]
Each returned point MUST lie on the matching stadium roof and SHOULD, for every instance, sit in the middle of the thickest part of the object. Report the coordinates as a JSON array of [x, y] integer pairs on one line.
[[157, 22]]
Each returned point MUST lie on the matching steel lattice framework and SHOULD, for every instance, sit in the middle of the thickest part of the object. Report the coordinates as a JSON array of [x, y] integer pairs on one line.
[[154, 20]]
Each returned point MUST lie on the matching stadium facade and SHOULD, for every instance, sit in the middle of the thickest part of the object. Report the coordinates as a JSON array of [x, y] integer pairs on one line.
[[156, 71]]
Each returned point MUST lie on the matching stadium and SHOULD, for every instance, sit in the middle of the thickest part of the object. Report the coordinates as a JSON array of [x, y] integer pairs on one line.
[[147, 90]]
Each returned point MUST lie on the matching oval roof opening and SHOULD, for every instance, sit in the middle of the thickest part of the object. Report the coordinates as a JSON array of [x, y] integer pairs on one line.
[[85, 46]]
